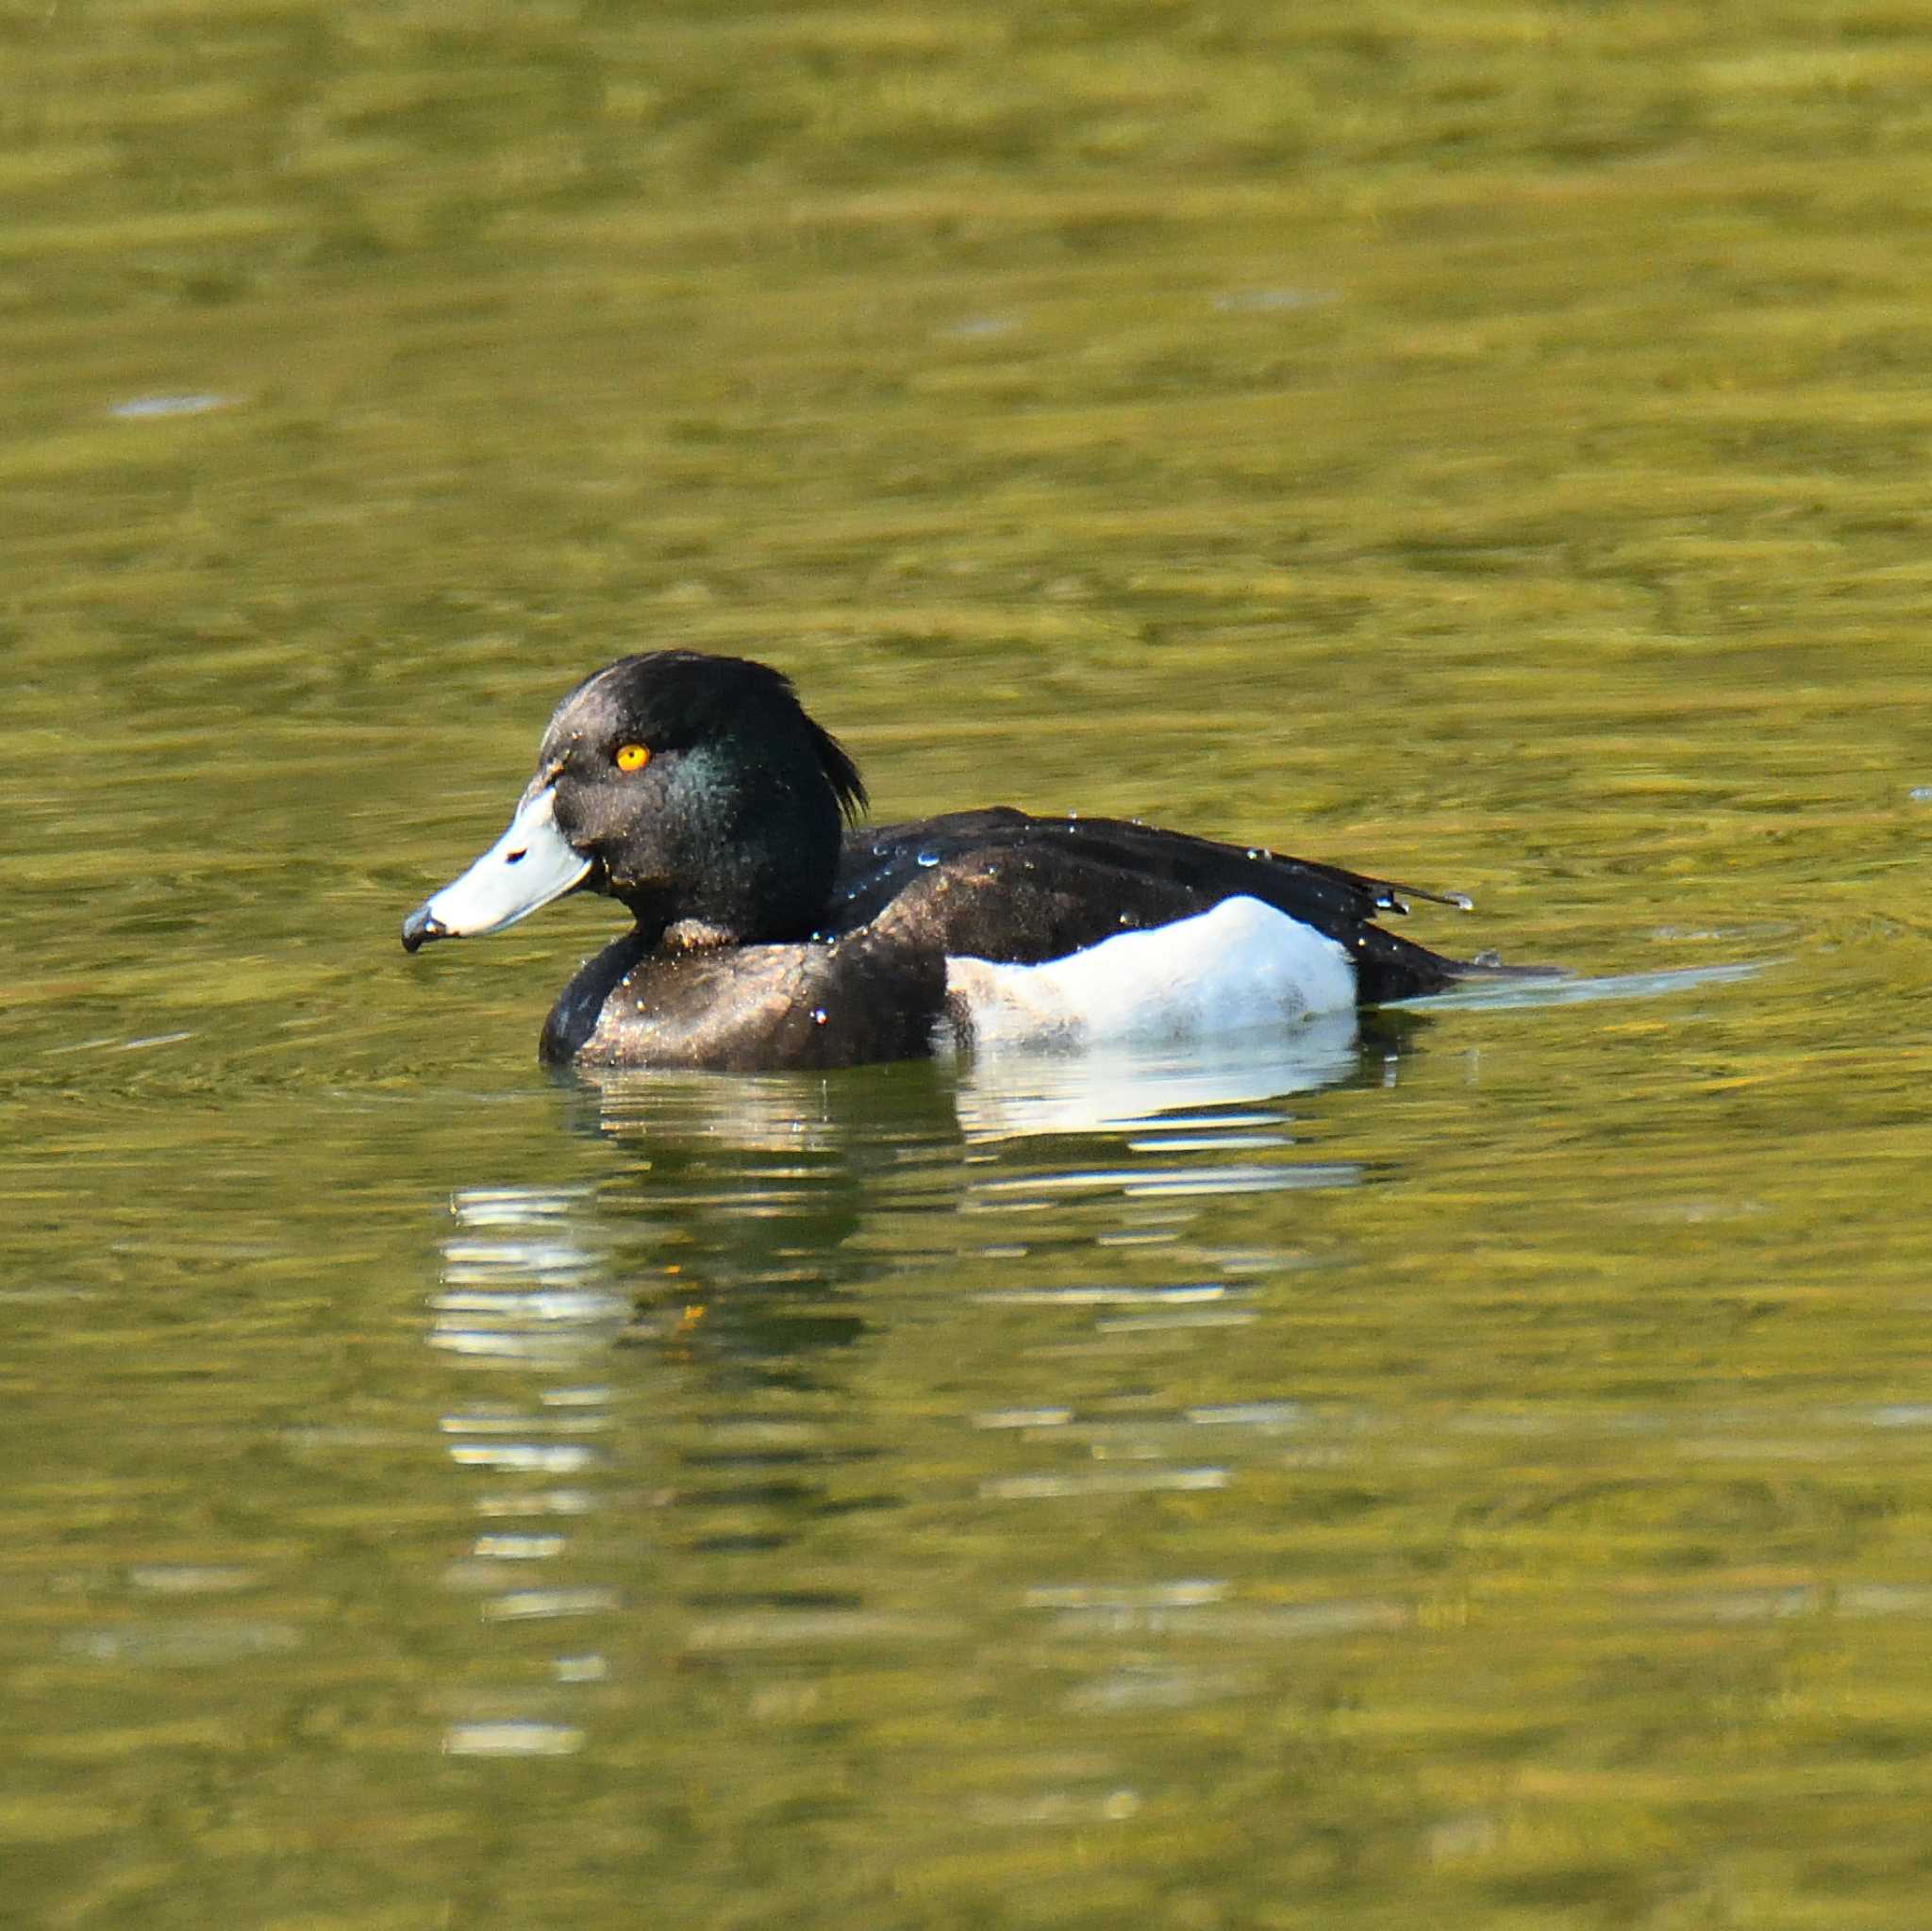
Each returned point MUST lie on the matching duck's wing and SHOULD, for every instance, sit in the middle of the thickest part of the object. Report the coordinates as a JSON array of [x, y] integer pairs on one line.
[[1000, 884]]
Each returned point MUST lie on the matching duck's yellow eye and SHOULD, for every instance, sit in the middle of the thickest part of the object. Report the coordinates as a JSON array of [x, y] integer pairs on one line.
[[633, 756]]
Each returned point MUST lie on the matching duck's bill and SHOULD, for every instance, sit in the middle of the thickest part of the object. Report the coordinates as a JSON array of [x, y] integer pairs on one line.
[[528, 866]]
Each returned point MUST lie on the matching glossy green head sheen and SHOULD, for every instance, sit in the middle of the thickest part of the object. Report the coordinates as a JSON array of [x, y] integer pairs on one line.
[[693, 788]]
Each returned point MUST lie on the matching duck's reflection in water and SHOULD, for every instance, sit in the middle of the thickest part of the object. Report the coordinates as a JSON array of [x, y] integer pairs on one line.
[[523, 1305], [769, 1254], [1013, 1095], [768, 1199]]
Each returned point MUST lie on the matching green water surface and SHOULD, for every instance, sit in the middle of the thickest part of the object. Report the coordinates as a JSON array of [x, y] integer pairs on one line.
[[1474, 1471]]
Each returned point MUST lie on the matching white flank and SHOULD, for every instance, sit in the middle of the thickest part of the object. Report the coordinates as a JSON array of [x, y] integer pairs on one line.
[[1240, 965]]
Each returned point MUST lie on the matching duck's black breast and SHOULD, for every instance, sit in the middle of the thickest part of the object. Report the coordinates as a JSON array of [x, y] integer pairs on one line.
[[861, 997]]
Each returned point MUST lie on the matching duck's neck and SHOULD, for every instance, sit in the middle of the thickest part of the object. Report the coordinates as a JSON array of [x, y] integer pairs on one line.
[[580, 1004]]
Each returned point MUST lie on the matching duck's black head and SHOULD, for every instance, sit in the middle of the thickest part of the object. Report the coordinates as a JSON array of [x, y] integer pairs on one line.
[[693, 788]]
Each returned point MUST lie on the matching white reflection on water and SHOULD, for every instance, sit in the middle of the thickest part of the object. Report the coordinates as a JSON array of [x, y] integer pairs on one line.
[[531, 1605], [1076, 1482], [522, 1293], [518, 1286], [1010, 1095], [512, 1739], [749, 1112], [523, 1457], [145, 408], [1568, 991], [1102, 1297]]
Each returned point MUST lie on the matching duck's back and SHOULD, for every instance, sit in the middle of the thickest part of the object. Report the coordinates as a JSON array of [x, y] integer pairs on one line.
[[1014, 890]]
